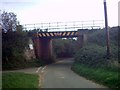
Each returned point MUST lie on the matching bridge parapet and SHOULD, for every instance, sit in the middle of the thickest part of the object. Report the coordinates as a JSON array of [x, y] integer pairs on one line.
[[68, 26]]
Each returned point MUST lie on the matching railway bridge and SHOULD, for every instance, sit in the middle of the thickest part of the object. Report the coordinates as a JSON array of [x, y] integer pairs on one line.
[[43, 39]]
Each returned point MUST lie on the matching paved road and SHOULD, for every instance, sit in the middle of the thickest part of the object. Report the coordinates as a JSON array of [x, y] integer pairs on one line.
[[59, 75]]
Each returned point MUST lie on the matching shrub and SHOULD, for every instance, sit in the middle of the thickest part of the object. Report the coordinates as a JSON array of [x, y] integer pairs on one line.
[[114, 51], [64, 47], [91, 55], [20, 63], [99, 37], [94, 53], [13, 47]]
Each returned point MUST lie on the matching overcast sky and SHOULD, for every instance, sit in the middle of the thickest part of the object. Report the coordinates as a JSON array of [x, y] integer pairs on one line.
[[37, 11]]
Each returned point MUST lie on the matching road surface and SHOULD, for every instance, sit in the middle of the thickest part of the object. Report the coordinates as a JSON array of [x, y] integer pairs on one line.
[[60, 75]]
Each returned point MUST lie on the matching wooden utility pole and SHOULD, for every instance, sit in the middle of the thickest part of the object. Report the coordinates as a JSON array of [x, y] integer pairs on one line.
[[107, 30]]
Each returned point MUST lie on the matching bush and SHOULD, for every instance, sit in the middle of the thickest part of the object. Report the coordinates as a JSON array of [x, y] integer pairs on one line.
[[91, 55], [114, 51], [92, 63], [64, 47], [94, 53], [99, 37], [20, 64], [15, 62], [13, 47]]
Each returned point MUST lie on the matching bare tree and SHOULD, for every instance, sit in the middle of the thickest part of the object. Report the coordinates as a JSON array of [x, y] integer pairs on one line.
[[8, 21]]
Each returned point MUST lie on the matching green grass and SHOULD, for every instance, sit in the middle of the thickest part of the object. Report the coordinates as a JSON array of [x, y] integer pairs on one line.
[[0, 80], [101, 75], [19, 80]]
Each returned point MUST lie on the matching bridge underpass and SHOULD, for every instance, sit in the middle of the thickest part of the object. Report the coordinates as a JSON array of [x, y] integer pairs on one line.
[[43, 41]]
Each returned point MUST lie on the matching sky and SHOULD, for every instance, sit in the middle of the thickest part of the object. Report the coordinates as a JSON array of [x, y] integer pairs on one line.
[[38, 11]]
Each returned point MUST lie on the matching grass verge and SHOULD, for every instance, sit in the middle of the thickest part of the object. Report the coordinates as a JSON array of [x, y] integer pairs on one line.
[[19, 80], [101, 75]]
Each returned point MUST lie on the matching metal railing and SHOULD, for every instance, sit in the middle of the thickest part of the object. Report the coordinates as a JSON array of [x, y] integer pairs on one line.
[[65, 26]]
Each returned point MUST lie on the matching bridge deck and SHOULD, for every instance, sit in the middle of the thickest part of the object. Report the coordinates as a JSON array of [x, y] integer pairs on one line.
[[60, 34]]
